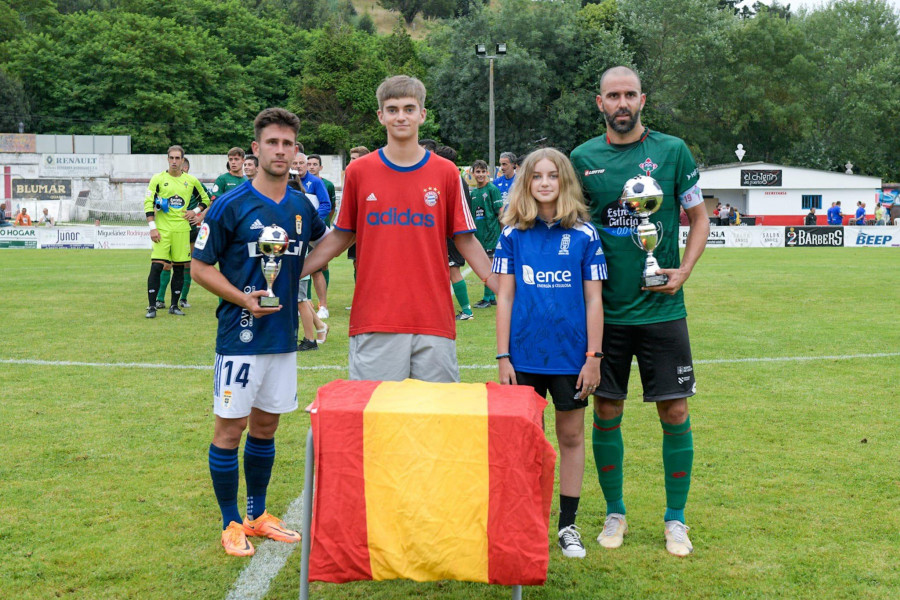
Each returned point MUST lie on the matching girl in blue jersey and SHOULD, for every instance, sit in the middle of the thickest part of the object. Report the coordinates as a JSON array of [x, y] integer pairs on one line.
[[550, 310]]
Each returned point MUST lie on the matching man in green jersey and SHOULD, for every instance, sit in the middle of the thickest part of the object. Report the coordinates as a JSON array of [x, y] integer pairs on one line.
[[320, 278], [649, 323], [234, 177], [166, 206], [487, 203]]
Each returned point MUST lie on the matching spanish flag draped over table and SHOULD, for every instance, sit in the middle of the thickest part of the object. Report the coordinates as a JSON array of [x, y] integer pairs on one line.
[[430, 481]]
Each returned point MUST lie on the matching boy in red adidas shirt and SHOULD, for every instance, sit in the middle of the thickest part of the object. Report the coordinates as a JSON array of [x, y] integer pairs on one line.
[[399, 204]]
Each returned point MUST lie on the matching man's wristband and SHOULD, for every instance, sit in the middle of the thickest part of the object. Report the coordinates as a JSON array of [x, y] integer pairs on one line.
[[505, 355], [152, 224], [594, 354]]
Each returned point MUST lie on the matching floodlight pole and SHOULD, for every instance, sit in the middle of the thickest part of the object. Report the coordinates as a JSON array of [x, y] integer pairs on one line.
[[491, 150], [481, 52]]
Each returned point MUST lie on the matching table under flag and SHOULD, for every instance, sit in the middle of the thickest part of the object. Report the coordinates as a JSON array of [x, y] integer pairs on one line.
[[430, 481]]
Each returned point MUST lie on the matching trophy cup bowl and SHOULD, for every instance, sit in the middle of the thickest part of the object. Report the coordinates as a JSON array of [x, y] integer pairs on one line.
[[642, 196], [272, 244]]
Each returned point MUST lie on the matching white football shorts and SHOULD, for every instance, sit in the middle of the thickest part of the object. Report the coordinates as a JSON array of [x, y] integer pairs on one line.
[[264, 381]]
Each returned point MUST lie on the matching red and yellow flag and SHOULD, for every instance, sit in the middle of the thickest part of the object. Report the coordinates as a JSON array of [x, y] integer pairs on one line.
[[430, 481]]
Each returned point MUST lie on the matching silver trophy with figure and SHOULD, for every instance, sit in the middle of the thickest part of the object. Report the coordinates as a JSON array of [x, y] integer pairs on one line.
[[642, 196], [272, 244]]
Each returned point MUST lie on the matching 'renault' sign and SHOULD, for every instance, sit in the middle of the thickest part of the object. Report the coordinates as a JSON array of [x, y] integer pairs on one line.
[[42, 189], [761, 178]]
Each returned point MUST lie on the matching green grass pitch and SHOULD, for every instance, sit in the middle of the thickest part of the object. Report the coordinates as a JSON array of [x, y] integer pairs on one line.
[[105, 492]]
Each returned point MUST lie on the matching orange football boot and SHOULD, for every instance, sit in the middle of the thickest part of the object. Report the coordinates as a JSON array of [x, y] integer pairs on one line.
[[235, 542], [265, 525]]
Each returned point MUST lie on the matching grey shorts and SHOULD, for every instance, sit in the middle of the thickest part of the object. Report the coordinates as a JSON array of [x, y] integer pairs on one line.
[[399, 356], [303, 292]]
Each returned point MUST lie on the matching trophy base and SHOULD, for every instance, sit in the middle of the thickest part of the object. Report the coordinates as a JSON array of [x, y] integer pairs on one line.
[[654, 280], [269, 301]]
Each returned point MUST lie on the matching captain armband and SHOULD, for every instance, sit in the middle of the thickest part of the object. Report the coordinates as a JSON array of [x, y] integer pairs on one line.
[[691, 198]]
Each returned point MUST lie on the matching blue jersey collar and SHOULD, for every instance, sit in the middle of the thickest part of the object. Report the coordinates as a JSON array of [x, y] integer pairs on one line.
[[391, 165]]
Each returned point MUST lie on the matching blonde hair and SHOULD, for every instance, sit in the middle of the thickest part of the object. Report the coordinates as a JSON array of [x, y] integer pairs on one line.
[[522, 210], [400, 86]]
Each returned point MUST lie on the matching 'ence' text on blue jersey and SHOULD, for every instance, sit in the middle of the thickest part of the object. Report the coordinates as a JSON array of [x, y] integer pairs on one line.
[[548, 327], [228, 236]]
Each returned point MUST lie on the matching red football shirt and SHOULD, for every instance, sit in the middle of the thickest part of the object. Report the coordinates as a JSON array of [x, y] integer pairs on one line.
[[402, 217]]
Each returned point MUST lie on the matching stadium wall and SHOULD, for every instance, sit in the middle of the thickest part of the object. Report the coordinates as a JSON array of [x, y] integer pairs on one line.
[[108, 187]]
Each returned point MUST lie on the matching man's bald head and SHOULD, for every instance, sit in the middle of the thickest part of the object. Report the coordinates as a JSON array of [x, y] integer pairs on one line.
[[619, 71]]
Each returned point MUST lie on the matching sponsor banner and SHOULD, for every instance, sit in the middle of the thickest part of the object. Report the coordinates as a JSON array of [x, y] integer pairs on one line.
[[813, 236], [739, 237], [67, 237], [70, 165], [123, 238], [42, 189], [17, 142], [760, 178], [872, 237], [18, 237]]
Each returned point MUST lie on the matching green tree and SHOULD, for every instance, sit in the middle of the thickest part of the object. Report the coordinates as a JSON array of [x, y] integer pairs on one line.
[[14, 104], [855, 99], [408, 9], [544, 87], [762, 99], [152, 78], [335, 95]]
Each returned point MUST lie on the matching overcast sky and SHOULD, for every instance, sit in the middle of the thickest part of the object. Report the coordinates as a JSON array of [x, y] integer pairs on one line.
[[812, 4]]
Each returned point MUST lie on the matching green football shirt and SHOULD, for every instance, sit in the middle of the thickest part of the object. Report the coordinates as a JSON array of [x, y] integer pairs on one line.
[[329, 187], [487, 202], [178, 192], [603, 169], [225, 183]]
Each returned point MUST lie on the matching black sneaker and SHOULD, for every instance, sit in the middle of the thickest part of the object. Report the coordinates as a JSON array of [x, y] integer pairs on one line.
[[160, 305], [174, 310], [151, 312], [570, 542], [183, 304], [306, 344], [464, 316], [482, 304], [494, 302]]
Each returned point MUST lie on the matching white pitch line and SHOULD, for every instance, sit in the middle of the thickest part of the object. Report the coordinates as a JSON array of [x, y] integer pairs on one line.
[[71, 363], [271, 556], [711, 361]]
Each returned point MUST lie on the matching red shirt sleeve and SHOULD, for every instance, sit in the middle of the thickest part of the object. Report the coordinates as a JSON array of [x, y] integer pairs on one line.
[[459, 217], [346, 217]]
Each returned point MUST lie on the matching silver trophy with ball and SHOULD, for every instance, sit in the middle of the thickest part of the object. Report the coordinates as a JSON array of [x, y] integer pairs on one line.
[[642, 196], [272, 244]]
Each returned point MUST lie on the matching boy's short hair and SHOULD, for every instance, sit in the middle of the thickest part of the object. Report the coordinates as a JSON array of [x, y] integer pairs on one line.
[[236, 152], [400, 86], [275, 116], [253, 158], [186, 162], [315, 156], [361, 150], [428, 144], [479, 164], [175, 147], [447, 152]]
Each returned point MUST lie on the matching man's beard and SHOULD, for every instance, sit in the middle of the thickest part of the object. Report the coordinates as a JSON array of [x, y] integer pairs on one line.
[[620, 127]]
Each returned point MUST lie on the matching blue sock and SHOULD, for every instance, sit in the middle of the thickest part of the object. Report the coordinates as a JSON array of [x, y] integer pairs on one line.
[[259, 456], [223, 468]]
